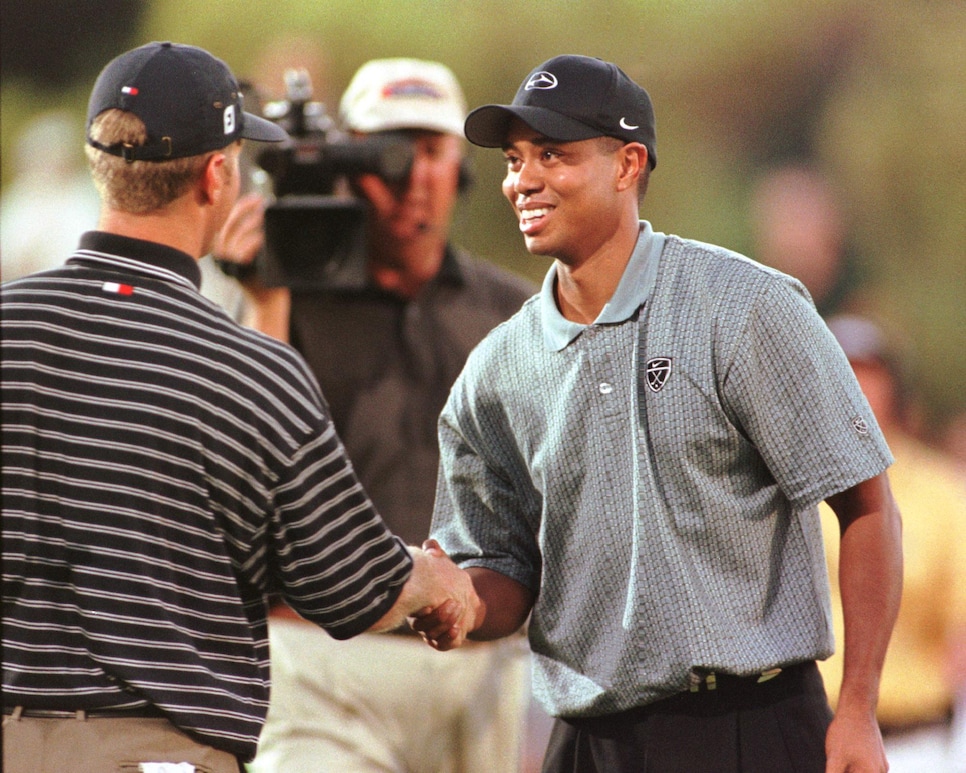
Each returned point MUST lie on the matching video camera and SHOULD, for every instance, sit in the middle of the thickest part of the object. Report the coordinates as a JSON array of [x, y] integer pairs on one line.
[[315, 225]]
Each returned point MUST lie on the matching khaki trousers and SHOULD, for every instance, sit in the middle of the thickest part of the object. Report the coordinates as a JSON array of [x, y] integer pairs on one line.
[[103, 745], [385, 703]]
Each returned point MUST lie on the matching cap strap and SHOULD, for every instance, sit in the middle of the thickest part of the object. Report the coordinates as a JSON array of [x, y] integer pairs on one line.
[[130, 153]]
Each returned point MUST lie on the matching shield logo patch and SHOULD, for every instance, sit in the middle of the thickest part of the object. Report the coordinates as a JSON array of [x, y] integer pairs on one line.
[[657, 371]]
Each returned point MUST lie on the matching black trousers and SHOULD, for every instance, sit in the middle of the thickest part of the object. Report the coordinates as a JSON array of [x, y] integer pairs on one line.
[[741, 726]]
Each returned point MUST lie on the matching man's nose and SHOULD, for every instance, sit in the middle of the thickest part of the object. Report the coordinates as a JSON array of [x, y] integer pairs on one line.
[[527, 178]]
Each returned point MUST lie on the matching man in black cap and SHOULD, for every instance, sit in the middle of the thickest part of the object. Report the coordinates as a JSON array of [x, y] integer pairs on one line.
[[164, 469], [636, 458]]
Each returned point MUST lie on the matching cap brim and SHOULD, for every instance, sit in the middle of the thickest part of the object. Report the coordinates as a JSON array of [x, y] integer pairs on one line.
[[487, 126], [261, 130]]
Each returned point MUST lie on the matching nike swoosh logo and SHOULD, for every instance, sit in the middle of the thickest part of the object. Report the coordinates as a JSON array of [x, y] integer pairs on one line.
[[625, 125]]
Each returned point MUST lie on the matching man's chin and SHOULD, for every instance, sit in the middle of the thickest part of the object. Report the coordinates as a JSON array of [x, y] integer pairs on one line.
[[409, 231], [537, 247]]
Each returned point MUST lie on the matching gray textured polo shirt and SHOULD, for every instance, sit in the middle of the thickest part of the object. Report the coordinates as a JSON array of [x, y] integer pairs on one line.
[[654, 476]]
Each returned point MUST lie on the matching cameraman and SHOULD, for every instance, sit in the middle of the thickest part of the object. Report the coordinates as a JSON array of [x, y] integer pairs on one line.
[[386, 340]]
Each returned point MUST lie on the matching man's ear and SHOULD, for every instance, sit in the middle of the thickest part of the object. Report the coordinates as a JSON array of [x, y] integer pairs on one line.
[[633, 160], [213, 178]]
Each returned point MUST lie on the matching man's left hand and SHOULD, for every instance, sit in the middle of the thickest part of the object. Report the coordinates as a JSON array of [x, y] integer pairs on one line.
[[853, 744]]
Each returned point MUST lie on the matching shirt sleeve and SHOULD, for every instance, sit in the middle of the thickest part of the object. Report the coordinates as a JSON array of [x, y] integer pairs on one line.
[[338, 563], [791, 390], [487, 511]]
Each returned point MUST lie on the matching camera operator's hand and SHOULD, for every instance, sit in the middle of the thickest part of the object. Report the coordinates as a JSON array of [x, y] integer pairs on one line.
[[240, 241], [383, 199], [243, 234]]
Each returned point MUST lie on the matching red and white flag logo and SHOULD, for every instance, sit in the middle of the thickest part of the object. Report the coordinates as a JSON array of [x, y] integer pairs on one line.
[[117, 288]]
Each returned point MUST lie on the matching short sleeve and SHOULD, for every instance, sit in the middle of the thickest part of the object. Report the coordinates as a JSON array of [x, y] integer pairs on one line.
[[338, 563], [790, 389], [487, 511]]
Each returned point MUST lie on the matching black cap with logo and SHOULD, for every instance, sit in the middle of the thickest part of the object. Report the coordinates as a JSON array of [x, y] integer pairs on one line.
[[188, 99], [570, 98]]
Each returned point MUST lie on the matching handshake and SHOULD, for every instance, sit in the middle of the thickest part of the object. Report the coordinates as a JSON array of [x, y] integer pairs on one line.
[[439, 600]]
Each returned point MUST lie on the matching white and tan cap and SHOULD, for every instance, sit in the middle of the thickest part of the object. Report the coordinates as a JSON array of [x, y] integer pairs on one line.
[[392, 94]]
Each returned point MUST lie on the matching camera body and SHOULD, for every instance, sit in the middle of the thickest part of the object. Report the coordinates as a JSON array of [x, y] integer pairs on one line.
[[315, 226]]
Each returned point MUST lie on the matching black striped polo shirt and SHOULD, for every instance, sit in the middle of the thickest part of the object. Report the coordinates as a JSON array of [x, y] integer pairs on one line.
[[164, 470]]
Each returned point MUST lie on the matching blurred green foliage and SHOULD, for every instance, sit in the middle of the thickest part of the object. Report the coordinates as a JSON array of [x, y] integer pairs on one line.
[[872, 92]]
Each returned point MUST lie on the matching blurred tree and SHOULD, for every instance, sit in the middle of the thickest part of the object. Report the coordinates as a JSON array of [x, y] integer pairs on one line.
[[893, 132], [872, 93], [50, 52], [53, 43]]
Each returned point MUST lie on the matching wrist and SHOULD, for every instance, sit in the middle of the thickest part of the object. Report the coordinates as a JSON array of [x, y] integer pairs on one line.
[[858, 700], [476, 632]]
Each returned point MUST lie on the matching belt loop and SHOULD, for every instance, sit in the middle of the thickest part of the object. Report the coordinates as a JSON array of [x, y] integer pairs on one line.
[[698, 678], [17, 713], [694, 681], [81, 715]]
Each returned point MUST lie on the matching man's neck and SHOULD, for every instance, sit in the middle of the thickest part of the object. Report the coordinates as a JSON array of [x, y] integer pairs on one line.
[[167, 226], [583, 288], [406, 274]]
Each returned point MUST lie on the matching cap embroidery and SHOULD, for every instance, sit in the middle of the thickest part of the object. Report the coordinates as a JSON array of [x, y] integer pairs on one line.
[[625, 125], [411, 87], [541, 80], [132, 90], [229, 117]]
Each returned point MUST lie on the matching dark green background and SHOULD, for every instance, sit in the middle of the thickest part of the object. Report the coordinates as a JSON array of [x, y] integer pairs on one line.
[[872, 92]]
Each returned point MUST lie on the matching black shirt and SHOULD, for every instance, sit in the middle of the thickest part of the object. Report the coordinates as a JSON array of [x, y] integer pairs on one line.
[[386, 364]]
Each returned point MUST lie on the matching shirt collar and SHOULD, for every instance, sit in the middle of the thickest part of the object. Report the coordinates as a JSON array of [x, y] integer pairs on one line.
[[137, 256], [633, 290]]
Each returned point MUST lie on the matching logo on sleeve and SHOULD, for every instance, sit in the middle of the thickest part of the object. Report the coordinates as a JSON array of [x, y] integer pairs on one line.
[[860, 426], [657, 372]]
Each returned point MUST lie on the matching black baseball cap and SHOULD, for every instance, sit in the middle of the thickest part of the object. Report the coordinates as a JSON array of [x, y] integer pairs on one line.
[[570, 98], [188, 99]]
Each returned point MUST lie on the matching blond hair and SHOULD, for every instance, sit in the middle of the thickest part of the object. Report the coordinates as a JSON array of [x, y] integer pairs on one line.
[[137, 187]]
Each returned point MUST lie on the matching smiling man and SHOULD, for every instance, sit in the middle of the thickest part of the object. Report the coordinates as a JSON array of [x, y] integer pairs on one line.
[[636, 459]]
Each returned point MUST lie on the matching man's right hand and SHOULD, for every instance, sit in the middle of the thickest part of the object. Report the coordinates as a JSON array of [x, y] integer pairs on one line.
[[240, 241], [243, 234], [446, 626], [437, 590]]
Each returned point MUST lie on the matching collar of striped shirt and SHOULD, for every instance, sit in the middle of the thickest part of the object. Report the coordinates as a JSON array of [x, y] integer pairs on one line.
[[152, 258]]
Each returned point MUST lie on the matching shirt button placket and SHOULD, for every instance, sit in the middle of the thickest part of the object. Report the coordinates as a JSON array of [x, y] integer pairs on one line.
[[606, 377]]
